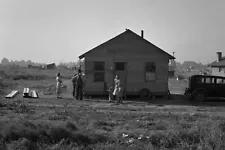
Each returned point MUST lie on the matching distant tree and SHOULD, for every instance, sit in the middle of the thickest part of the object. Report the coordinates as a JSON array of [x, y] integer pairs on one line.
[[5, 62], [29, 62], [22, 63]]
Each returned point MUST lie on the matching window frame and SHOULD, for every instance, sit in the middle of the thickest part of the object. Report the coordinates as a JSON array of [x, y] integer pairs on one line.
[[98, 70], [152, 70]]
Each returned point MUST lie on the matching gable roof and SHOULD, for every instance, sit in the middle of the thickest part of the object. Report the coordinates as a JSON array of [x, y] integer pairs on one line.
[[127, 30], [220, 63]]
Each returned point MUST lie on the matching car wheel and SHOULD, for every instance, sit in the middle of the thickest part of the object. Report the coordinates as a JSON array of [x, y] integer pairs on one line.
[[199, 96], [145, 94]]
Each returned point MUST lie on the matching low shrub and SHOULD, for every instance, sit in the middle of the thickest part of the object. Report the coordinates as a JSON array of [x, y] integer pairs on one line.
[[29, 77], [33, 133]]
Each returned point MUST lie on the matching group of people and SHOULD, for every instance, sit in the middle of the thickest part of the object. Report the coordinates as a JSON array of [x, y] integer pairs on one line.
[[77, 81], [115, 93]]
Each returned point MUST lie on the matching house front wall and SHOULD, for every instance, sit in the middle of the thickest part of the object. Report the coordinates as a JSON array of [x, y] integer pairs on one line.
[[218, 71], [136, 53]]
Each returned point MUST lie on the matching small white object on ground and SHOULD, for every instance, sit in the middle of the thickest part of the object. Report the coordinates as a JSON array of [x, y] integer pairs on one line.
[[12, 94], [125, 135]]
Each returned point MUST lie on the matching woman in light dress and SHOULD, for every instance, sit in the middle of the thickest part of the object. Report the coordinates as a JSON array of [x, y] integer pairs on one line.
[[117, 93], [116, 85], [58, 85]]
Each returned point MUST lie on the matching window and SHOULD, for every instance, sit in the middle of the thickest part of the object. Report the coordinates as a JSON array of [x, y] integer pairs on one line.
[[219, 81], [208, 80], [120, 66], [99, 66], [99, 71], [200, 80], [150, 67], [150, 71], [99, 77]]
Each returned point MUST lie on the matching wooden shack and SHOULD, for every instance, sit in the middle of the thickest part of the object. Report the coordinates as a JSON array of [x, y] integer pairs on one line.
[[51, 66], [141, 66]]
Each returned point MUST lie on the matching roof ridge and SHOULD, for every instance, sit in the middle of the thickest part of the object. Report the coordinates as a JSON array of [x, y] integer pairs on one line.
[[127, 30]]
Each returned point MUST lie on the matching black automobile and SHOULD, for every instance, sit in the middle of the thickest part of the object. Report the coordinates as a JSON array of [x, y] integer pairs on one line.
[[201, 87]]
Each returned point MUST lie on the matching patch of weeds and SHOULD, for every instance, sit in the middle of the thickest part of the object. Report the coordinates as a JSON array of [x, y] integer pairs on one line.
[[22, 108], [221, 126], [29, 125], [28, 77], [58, 117], [158, 139], [2, 104], [125, 146], [104, 123], [107, 126], [50, 90], [189, 118], [64, 112], [19, 107], [190, 137], [33, 134], [13, 133], [161, 126], [71, 126], [150, 125], [23, 144], [97, 138], [185, 125]]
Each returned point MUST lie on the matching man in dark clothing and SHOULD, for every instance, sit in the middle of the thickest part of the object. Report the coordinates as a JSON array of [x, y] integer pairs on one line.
[[74, 81], [79, 86]]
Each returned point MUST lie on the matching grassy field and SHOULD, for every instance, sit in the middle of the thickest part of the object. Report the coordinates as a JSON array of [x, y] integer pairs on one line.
[[60, 124]]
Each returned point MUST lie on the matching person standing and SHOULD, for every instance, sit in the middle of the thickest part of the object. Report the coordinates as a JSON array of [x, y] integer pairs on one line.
[[74, 81], [116, 86], [79, 86], [58, 85]]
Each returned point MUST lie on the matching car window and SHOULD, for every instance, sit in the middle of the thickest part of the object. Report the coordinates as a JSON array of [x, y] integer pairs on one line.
[[219, 81], [200, 80], [208, 80]]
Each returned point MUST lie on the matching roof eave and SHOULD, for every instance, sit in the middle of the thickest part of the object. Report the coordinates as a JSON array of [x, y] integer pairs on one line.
[[171, 57], [82, 56]]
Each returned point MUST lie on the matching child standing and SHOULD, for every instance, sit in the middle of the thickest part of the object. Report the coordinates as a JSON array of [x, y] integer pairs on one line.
[[58, 85]]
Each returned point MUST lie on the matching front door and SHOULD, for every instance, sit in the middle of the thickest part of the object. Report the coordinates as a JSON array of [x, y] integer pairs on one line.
[[120, 68]]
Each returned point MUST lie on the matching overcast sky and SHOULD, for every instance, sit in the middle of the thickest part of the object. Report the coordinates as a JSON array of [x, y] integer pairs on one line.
[[55, 30]]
